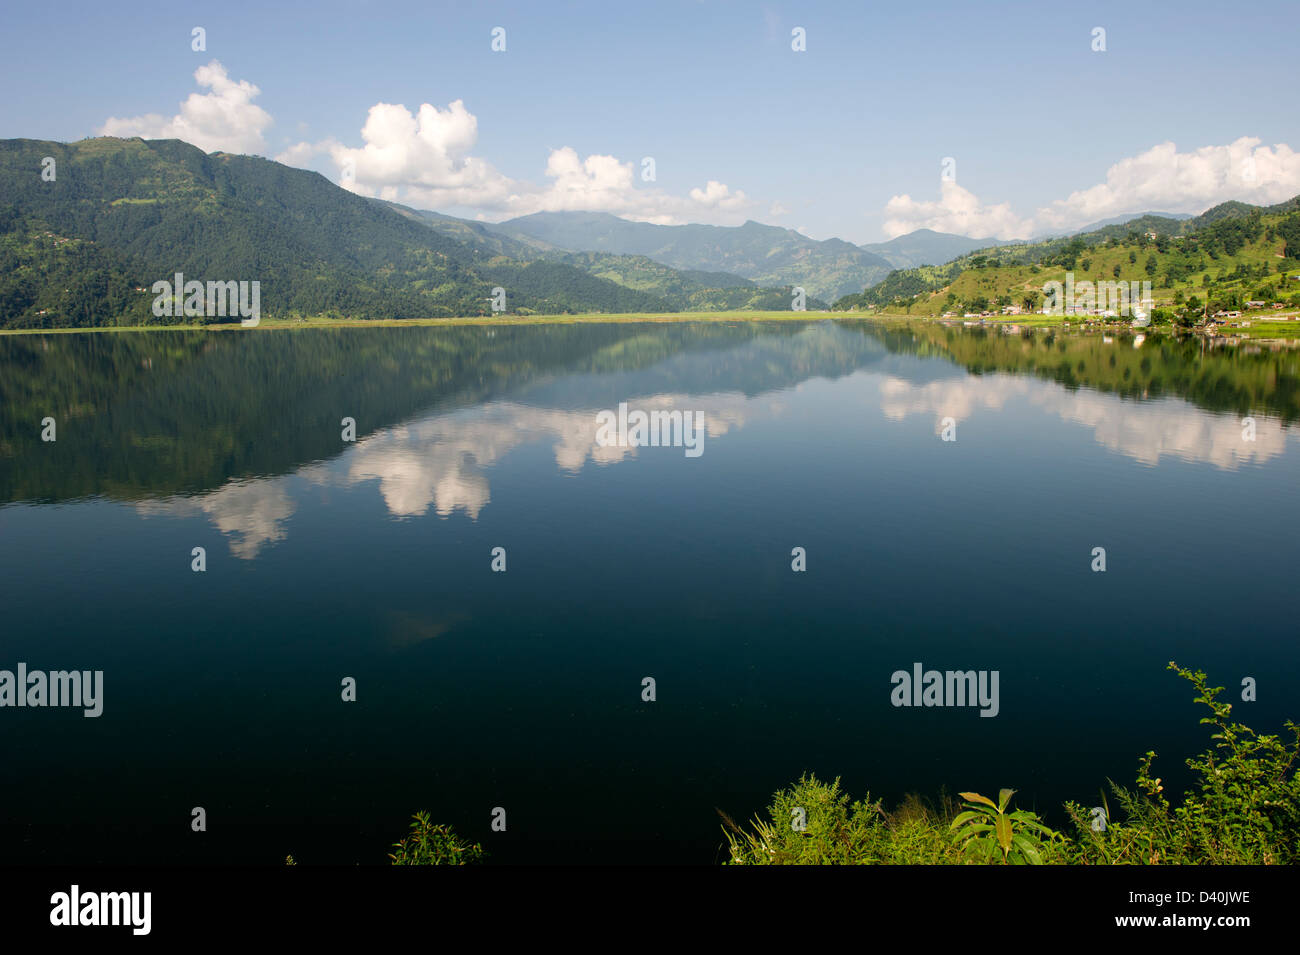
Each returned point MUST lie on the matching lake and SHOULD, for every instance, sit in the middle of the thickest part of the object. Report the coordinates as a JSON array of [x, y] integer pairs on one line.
[[371, 560]]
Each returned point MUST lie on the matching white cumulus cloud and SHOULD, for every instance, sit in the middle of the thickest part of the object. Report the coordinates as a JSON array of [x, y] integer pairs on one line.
[[425, 158], [1162, 179], [716, 195], [225, 118], [957, 210]]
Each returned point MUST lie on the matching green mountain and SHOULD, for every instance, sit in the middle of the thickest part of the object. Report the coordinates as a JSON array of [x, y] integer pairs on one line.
[[1229, 255], [1168, 220], [121, 214], [477, 235], [927, 247], [681, 289], [687, 289], [767, 255]]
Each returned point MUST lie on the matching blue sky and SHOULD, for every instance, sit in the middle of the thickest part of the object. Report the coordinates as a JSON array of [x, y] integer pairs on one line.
[[829, 140]]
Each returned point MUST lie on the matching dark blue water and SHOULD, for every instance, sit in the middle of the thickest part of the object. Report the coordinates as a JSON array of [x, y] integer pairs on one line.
[[523, 689]]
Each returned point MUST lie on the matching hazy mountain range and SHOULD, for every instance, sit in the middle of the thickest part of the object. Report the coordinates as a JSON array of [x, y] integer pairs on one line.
[[927, 247], [1115, 220], [764, 254]]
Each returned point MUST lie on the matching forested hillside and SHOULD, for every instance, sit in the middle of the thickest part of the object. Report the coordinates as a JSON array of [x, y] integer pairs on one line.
[[926, 247], [1228, 256], [84, 247], [676, 289], [142, 211], [767, 255]]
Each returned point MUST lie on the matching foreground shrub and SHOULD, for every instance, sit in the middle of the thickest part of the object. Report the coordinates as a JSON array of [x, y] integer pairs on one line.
[[813, 823], [427, 844], [1244, 809]]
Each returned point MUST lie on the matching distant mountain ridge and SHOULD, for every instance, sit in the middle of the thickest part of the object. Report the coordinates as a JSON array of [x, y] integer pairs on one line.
[[927, 247], [764, 254], [683, 289], [1113, 220]]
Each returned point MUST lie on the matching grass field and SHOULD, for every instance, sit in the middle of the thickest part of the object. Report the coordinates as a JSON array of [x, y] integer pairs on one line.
[[1259, 328], [585, 318]]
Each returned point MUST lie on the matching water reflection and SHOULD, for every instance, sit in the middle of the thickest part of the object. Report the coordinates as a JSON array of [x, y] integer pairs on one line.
[[440, 462], [250, 513], [236, 427], [1144, 431]]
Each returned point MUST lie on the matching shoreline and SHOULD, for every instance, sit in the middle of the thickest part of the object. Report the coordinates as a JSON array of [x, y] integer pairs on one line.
[[584, 318], [1290, 329]]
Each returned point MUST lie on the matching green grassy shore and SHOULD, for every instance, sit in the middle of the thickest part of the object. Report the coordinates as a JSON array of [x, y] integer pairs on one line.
[[1259, 329], [583, 318]]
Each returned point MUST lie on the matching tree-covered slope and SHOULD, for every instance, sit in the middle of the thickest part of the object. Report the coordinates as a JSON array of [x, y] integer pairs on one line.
[[120, 214], [677, 289], [926, 247], [1220, 260], [764, 254]]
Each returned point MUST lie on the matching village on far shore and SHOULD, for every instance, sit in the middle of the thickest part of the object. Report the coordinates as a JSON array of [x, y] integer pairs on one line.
[[1232, 280]]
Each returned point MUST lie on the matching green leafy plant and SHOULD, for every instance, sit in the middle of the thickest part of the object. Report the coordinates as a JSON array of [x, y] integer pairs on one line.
[[1248, 793], [429, 844], [988, 833], [1244, 808], [812, 823], [815, 823]]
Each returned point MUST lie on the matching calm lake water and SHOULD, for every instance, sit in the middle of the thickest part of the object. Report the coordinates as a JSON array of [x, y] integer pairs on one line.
[[371, 559]]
